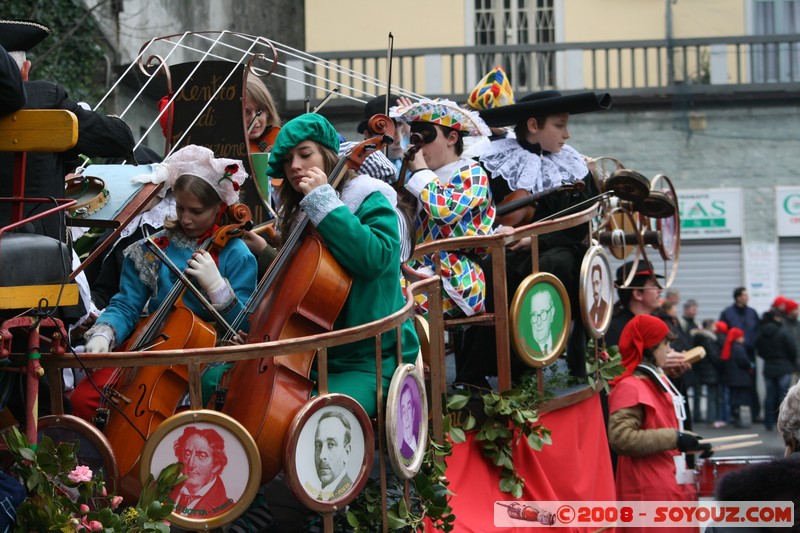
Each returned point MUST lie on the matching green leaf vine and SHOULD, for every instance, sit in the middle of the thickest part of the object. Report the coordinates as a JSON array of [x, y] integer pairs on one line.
[[602, 365], [66, 496], [507, 417], [428, 498]]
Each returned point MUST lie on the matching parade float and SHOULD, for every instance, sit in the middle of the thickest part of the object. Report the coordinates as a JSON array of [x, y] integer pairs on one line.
[[542, 440]]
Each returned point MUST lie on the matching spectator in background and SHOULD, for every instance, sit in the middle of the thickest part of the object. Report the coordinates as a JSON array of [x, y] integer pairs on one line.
[[708, 371], [740, 315], [688, 319], [672, 296], [777, 347], [792, 324], [737, 373], [694, 385], [721, 331]]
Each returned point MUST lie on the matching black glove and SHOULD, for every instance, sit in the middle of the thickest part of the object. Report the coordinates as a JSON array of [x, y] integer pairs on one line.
[[689, 443]]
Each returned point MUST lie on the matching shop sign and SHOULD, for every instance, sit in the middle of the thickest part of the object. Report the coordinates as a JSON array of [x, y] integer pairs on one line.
[[710, 213], [787, 211]]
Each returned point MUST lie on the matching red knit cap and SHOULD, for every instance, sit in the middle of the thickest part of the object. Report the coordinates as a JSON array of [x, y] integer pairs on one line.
[[790, 305], [780, 303], [721, 327], [733, 334], [643, 331]]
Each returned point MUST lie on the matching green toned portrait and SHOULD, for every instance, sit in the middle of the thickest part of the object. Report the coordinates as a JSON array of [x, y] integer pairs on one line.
[[540, 318]]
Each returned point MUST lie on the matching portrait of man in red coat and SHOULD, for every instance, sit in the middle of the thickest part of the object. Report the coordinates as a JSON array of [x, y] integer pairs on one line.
[[202, 494]]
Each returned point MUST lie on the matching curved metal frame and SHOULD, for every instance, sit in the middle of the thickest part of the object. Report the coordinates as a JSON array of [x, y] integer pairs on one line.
[[405, 471], [523, 350], [593, 253], [291, 442], [214, 418]]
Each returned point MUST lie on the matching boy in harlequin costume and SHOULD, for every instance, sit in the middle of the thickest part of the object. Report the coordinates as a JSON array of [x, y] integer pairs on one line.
[[453, 198], [203, 186], [646, 420]]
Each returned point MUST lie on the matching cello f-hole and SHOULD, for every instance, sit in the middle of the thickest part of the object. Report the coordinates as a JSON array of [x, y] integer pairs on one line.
[[262, 366], [137, 411]]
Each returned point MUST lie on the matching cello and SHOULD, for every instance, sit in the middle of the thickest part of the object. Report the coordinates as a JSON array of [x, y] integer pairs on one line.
[[301, 294], [146, 396]]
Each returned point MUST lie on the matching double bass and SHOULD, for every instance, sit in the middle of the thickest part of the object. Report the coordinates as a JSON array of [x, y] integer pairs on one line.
[[146, 396], [300, 295]]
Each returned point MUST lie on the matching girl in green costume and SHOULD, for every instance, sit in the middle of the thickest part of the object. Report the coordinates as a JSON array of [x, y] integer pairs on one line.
[[359, 225]]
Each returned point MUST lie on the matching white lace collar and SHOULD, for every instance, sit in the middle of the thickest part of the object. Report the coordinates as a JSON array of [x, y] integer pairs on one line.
[[526, 170]]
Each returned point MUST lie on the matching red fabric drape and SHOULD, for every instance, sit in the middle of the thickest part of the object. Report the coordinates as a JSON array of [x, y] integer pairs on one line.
[[577, 466]]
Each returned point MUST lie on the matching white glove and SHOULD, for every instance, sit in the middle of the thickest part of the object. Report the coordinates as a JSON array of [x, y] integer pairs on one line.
[[203, 268], [97, 344]]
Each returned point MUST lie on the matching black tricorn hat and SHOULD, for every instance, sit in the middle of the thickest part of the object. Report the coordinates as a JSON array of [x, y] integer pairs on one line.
[[545, 103], [22, 35], [375, 106]]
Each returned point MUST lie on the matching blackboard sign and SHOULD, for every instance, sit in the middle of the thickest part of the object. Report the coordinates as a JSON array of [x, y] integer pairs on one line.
[[220, 126]]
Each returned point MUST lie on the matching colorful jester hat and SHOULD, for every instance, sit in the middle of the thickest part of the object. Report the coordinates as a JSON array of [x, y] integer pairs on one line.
[[445, 113], [494, 90]]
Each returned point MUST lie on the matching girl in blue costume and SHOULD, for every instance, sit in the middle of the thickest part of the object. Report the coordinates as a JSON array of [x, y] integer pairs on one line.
[[358, 224], [203, 186]]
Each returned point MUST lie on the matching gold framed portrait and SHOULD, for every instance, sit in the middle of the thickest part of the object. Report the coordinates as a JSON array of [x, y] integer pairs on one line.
[[596, 292], [406, 421], [328, 452], [221, 461], [540, 319]]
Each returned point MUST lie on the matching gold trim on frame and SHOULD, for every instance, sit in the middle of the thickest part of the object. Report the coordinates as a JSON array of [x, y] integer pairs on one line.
[[93, 435], [523, 350], [405, 471], [187, 418], [292, 438], [586, 297]]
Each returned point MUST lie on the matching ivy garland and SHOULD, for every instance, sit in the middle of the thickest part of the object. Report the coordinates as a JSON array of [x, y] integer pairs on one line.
[[429, 498], [602, 365], [507, 417]]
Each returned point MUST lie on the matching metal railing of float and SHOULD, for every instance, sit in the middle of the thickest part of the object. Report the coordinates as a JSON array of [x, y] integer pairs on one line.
[[496, 244]]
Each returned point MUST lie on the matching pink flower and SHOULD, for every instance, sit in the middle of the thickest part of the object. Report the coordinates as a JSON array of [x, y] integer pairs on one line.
[[115, 501], [94, 525], [80, 474], [103, 491], [604, 355], [84, 508]]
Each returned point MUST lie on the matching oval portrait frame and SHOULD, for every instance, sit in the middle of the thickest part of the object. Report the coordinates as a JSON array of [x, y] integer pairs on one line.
[[88, 434], [300, 439], [520, 318], [406, 377], [596, 257], [244, 479]]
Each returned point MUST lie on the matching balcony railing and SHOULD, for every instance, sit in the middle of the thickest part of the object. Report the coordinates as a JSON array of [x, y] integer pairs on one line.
[[628, 68]]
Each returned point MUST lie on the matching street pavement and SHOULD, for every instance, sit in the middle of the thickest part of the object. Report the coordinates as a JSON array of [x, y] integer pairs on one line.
[[772, 442]]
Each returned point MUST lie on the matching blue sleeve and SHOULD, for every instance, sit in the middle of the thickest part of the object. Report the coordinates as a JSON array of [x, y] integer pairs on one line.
[[125, 308], [239, 266]]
